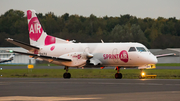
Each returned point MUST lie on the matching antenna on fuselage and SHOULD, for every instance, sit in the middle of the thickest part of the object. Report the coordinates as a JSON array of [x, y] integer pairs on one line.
[[102, 41]]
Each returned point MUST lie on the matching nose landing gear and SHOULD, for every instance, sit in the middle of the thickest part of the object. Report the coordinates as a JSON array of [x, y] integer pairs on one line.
[[118, 75], [66, 75]]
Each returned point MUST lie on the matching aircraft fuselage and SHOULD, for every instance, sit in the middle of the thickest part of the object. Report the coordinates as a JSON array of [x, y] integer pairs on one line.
[[107, 54]]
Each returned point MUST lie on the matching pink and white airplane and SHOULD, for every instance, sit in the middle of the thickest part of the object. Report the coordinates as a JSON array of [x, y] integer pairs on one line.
[[70, 54]]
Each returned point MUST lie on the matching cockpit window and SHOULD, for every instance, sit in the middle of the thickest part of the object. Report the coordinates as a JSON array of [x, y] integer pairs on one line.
[[141, 49], [132, 49]]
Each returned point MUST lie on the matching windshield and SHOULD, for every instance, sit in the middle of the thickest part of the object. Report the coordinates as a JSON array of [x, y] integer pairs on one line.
[[132, 49], [141, 49]]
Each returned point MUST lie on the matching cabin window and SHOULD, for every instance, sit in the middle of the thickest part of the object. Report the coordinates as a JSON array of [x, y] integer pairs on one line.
[[132, 49], [141, 49]]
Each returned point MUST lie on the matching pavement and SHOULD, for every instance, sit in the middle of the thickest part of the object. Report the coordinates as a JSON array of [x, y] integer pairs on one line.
[[50, 89]]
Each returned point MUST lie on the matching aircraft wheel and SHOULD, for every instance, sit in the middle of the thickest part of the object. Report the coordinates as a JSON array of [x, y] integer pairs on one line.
[[118, 76], [140, 77], [67, 75]]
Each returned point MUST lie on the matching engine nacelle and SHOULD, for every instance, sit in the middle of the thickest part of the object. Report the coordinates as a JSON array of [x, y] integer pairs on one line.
[[78, 59]]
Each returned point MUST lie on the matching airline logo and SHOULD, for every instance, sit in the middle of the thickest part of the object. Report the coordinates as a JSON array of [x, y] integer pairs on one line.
[[123, 56], [36, 30], [34, 27], [50, 40], [77, 56], [52, 48]]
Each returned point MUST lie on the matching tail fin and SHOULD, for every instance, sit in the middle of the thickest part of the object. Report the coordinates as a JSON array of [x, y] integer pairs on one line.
[[37, 36], [36, 32], [11, 56]]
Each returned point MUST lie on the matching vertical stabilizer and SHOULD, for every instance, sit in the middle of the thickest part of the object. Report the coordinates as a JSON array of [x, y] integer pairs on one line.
[[37, 36], [11, 56], [36, 32]]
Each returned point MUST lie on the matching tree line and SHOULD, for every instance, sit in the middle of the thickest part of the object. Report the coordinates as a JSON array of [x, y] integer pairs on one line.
[[153, 33]]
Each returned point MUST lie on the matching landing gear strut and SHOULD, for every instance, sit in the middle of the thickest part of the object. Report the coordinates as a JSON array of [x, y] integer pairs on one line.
[[66, 75], [118, 75], [142, 75]]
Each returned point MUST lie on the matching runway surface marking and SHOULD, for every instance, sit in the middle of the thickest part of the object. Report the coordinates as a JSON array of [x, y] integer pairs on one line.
[[137, 96]]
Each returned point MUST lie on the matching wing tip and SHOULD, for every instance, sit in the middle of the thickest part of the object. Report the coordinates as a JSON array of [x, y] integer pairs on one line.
[[9, 39]]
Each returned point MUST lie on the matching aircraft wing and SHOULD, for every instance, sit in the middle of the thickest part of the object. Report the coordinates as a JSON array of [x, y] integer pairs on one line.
[[165, 55], [41, 56], [22, 44]]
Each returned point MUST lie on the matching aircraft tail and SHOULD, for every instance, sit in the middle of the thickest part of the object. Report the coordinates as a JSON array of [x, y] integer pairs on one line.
[[11, 56], [37, 36]]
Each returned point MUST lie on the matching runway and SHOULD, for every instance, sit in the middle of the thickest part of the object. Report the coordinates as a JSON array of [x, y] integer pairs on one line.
[[89, 89]]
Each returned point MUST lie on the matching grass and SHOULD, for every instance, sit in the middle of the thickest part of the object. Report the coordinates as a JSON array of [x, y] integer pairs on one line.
[[89, 73]]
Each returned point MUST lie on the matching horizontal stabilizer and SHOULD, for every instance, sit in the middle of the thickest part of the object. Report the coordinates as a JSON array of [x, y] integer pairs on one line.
[[40, 56], [22, 44]]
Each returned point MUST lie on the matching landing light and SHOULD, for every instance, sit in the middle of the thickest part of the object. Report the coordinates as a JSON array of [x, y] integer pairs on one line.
[[143, 74]]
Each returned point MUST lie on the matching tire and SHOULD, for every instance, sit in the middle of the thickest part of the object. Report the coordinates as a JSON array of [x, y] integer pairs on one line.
[[118, 76], [140, 77], [66, 75]]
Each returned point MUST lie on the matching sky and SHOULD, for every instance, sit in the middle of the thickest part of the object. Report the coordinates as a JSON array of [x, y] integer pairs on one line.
[[100, 8]]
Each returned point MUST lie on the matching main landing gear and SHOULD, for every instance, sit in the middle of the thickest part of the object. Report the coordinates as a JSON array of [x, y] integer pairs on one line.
[[118, 75], [66, 75]]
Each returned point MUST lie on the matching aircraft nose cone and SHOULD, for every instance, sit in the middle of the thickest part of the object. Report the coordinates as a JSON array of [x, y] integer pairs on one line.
[[151, 59], [154, 60]]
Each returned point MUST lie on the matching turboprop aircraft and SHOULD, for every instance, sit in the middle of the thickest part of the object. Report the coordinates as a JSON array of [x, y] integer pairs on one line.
[[69, 54], [10, 58]]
